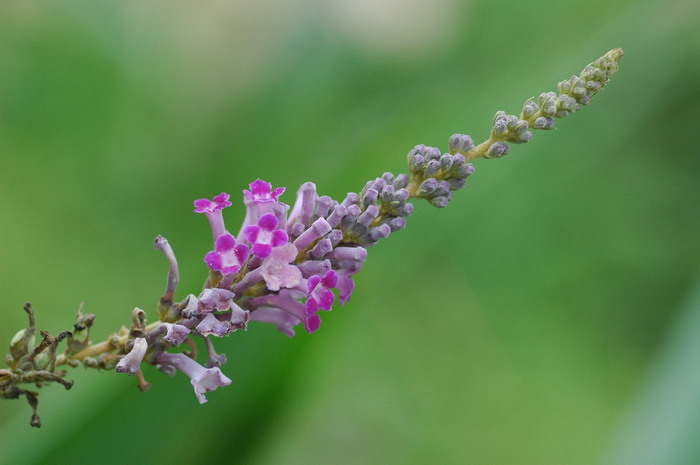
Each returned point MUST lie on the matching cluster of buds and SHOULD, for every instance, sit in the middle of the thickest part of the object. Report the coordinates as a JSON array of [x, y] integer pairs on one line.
[[434, 175], [573, 92], [285, 264]]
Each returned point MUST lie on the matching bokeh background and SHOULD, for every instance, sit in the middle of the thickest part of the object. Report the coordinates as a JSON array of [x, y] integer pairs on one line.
[[549, 315]]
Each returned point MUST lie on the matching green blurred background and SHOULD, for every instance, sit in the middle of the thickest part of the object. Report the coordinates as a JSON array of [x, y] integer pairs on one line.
[[545, 317]]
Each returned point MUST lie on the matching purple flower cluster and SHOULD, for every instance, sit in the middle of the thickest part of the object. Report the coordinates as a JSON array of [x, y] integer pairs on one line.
[[284, 266]]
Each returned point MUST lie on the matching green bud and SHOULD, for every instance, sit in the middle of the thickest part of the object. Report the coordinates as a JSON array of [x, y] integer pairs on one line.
[[19, 346], [42, 360]]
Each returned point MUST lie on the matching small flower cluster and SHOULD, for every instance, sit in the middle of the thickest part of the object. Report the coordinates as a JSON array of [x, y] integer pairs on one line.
[[285, 264], [435, 175]]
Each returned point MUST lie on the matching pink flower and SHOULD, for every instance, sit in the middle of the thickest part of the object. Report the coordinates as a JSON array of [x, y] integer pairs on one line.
[[212, 208], [261, 192], [320, 297], [227, 257], [265, 235], [320, 294], [219, 202], [277, 271]]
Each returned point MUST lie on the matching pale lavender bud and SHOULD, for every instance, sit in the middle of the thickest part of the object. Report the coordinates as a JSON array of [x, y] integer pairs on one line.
[[427, 187], [388, 177], [314, 267], [544, 123], [387, 194], [446, 162], [443, 188], [323, 207], [380, 232], [432, 168], [321, 249], [335, 237], [369, 215], [339, 212], [439, 202], [432, 153], [370, 197], [349, 253], [530, 108], [318, 229], [457, 183], [401, 195], [397, 224], [497, 150], [351, 216], [280, 210], [465, 171], [405, 210], [500, 125], [203, 379], [296, 230], [460, 143], [351, 199], [304, 205], [416, 163], [401, 181], [131, 362]]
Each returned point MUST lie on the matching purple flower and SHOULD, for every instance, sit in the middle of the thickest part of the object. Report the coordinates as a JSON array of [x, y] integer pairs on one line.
[[215, 300], [203, 379], [265, 235], [227, 257], [320, 297], [320, 294], [277, 271], [211, 325], [219, 202], [312, 323], [261, 192], [175, 334], [212, 208], [131, 362], [345, 285]]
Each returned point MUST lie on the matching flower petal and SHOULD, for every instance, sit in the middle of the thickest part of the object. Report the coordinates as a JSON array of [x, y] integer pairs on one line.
[[225, 242], [213, 260], [222, 201], [279, 238], [312, 323], [330, 279], [251, 233], [262, 250], [203, 206], [268, 222], [241, 252]]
